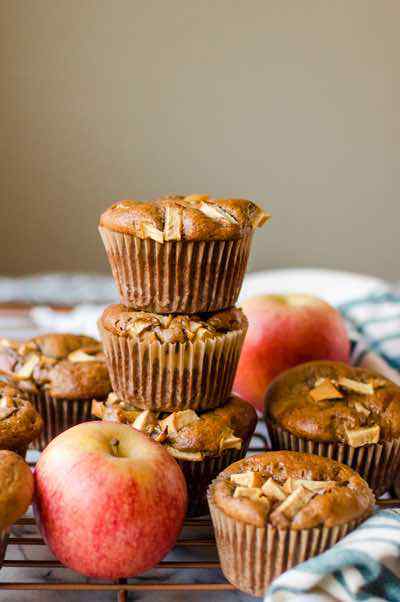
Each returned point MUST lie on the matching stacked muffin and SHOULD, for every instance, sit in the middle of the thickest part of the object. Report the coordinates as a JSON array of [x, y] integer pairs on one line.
[[173, 344]]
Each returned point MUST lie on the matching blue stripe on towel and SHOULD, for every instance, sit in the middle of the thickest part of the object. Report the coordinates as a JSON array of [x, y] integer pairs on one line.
[[371, 300], [357, 568], [374, 321]]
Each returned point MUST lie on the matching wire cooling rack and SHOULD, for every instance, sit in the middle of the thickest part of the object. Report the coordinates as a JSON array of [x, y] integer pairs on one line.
[[202, 540], [196, 539]]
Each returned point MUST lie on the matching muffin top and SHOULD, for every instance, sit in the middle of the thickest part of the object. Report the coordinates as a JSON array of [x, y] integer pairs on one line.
[[291, 490], [16, 488], [331, 401], [66, 365], [188, 435], [170, 328], [193, 217], [20, 423]]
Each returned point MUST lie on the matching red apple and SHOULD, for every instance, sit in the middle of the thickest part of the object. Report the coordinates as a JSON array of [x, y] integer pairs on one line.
[[286, 330], [110, 502]]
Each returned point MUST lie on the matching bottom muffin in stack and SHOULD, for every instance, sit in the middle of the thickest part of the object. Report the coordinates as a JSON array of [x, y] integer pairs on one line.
[[274, 510], [16, 491], [202, 443]]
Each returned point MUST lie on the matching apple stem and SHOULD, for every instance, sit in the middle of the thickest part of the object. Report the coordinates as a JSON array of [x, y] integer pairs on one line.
[[115, 446]]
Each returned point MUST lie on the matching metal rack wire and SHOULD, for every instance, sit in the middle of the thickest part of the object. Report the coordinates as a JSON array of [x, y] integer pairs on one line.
[[201, 539]]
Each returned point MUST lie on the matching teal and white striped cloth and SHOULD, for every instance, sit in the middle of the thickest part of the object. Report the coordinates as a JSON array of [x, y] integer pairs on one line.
[[365, 565], [376, 322]]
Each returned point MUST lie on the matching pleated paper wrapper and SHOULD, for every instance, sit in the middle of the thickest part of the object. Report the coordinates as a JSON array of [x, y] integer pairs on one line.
[[199, 476], [252, 557], [378, 463], [58, 415], [176, 276], [167, 377], [18, 449], [3, 544]]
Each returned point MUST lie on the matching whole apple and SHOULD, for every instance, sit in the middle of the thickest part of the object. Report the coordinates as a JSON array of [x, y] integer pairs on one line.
[[286, 330], [110, 502]]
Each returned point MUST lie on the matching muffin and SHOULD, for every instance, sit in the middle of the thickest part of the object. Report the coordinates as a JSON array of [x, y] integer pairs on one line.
[[275, 510], [180, 254], [16, 491], [168, 363], [335, 410], [60, 374], [203, 444], [20, 423]]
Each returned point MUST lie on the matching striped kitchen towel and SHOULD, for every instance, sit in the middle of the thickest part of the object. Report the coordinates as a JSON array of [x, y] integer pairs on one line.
[[374, 325], [365, 566]]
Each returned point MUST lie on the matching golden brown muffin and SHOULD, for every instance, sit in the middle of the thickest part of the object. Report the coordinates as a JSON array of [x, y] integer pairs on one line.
[[329, 407], [328, 401], [257, 490], [169, 363], [16, 488], [59, 374], [180, 254], [188, 435], [150, 327], [20, 423], [202, 443], [274, 510], [68, 366], [193, 217]]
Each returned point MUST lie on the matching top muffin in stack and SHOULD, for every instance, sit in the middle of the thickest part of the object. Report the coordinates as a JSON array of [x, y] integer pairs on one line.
[[180, 254], [183, 255]]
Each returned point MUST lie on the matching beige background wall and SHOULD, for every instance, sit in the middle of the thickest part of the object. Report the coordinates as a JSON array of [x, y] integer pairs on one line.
[[294, 103]]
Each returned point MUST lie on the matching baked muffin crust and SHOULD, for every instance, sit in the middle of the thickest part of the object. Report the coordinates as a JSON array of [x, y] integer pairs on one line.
[[291, 490], [16, 488], [193, 217], [170, 328], [188, 435], [332, 401], [20, 423], [66, 365]]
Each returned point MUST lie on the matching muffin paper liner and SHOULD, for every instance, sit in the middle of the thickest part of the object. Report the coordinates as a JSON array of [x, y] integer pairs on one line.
[[173, 376], [3, 545], [176, 276], [396, 486], [58, 415], [199, 475], [251, 557], [18, 449], [378, 463]]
